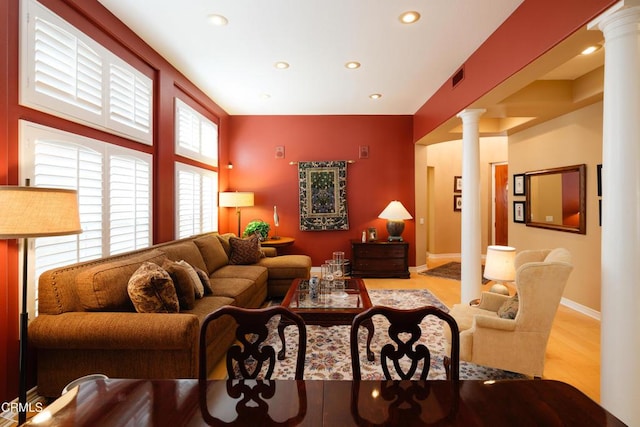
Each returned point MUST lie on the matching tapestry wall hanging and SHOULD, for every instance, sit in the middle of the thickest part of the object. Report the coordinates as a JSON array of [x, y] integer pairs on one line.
[[323, 195]]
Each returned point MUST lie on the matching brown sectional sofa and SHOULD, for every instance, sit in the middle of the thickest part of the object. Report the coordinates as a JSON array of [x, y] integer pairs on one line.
[[87, 323]]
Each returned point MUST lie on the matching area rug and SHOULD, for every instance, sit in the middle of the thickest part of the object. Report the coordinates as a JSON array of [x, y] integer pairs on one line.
[[450, 270], [328, 355]]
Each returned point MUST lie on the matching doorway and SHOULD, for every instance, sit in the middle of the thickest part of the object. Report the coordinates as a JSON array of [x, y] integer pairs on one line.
[[500, 208]]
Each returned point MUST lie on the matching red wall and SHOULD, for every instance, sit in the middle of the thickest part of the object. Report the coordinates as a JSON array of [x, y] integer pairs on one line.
[[372, 183], [534, 28]]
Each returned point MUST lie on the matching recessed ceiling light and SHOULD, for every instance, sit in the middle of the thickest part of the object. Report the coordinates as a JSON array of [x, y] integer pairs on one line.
[[375, 96], [591, 49], [265, 95], [281, 65], [218, 20], [409, 17], [352, 65]]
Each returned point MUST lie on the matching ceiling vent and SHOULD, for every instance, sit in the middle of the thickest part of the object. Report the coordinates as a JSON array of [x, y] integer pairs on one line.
[[457, 77]]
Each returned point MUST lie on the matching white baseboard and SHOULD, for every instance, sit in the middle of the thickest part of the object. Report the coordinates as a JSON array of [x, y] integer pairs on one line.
[[581, 308]]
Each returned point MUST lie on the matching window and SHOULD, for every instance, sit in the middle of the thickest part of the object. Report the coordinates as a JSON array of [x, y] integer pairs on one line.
[[196, 194], [196, 136], [66, 73], [114, 194]]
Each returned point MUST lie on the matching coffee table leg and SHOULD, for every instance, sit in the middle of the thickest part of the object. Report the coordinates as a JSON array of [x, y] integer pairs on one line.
[[283, 351], [369, 325]]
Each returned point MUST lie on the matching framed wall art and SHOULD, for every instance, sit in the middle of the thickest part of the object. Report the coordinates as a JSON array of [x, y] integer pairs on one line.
[[518, 185], [457, 202], [457, 184], [518, 212]]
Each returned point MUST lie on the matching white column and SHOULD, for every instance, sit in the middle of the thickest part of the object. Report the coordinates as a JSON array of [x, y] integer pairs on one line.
[[471, 256], [620, 307]]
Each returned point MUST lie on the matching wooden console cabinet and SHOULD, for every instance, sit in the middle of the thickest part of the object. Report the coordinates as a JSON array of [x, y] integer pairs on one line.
[[380, 259]]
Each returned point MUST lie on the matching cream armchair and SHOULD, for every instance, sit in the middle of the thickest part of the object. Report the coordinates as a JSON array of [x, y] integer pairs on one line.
[[518, 344]]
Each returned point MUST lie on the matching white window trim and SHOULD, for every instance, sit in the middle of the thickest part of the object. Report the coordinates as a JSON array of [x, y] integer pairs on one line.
[[30, 97]]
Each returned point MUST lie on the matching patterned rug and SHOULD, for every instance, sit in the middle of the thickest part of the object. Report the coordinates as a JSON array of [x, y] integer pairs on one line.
[[328, 356], [450, 270]]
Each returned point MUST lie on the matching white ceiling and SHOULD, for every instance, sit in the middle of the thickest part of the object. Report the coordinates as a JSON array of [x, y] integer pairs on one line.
[[234, 64]]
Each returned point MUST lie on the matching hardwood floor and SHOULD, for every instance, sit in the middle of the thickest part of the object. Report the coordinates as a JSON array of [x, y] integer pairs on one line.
[[573, 352]]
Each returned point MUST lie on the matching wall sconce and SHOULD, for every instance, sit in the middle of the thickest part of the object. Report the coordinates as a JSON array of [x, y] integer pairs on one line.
[[230, 165]]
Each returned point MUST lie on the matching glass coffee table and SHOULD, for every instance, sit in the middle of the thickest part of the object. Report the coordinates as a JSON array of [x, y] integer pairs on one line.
[[333, 305]]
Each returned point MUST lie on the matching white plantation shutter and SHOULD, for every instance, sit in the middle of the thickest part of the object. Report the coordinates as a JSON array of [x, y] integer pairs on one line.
[[196, 136], [196, 192], [66, 68], [130, 98], [130, 200], [66, 73], [114, 195]]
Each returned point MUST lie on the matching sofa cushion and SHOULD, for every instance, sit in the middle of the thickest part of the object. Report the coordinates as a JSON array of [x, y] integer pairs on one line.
[[287, 266], [558, 255], [241, 290], [224, 240], [183, 283], [103, 287], [245, 251], [204, 279], [195, 279], [185, 250], [152, 291], [212, 252]]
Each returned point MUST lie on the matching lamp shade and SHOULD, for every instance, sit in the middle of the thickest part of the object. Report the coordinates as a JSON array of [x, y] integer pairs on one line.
[[395, 211], [499, 264], [38, 212], [236, 199]]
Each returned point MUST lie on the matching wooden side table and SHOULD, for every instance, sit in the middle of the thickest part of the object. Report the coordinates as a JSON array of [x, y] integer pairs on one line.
[[278, 243], [380, 259]]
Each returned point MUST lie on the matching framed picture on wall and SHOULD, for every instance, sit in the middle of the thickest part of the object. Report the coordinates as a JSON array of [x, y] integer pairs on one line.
[[518, 185], [518, 211], [457, 202], [457, 184]]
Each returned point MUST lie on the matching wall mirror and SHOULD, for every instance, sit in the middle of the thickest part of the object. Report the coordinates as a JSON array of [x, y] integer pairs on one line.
[[556, 199]]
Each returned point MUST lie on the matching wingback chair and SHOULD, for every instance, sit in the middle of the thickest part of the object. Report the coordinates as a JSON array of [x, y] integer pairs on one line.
[[489, 337]]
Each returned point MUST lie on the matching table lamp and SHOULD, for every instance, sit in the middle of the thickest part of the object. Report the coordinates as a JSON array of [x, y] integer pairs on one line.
[[236, 199], [395, 214], [34, 212], [499, 266]]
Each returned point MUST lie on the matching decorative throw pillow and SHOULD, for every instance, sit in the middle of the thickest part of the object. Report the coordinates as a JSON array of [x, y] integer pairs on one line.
[[197, 284], [151, 290], [204, 279], [509, 308], [183, 284], [245, 251]]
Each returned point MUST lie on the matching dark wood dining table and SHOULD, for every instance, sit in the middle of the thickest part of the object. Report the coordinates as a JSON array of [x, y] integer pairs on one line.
[[187, 402]]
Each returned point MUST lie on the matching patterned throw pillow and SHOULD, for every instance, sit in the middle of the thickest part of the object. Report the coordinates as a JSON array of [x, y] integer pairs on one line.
[[197, 284], [245, 251], [151, 290], [183, 284], [204, 279], [509, 308]]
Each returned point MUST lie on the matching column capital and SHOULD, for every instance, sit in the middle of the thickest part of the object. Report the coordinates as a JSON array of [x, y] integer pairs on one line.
[[471, 113], [599, 22]]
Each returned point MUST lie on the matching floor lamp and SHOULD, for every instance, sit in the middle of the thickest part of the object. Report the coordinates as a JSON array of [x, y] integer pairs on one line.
[[236, 199], [34, 212]]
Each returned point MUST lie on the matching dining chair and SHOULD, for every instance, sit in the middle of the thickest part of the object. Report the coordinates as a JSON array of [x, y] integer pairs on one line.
[[250, 355], [405, 331]]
